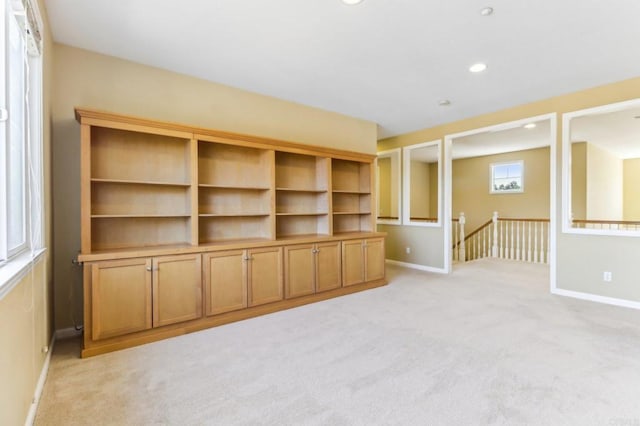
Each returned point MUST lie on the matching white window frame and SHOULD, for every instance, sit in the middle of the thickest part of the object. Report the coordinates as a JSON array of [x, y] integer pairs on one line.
[[15, 263], [492, 167]]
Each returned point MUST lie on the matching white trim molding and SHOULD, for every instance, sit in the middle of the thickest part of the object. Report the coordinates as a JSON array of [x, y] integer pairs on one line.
[[595, 298], [416, 266], [33, 409]]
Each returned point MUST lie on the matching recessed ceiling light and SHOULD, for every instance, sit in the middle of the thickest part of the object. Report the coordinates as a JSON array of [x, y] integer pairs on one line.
[[530, 126], [444, 102], [486, 11], [351, 2], [479, 67]]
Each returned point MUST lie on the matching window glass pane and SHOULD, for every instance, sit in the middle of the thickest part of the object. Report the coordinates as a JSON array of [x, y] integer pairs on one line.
[[506, 177], [16, 154]]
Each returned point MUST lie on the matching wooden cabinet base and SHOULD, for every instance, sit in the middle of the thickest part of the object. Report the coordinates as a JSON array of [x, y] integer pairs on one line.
[[92, 348]]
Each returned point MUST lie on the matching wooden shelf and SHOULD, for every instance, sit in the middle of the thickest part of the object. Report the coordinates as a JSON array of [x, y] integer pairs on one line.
[[336, 191], [234, 188], [298, 172], [140, 182], [233, 215], [351, 177], [232, 166], [348, 223], [109, 233], [135, 199], [303, 214], [311, 191], [160, 185], [351, 213], [130, 156], [223, 228], [108, 216]]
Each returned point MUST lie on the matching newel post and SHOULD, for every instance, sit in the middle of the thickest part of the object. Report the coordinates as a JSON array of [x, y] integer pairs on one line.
[[462, 255], [494, 247]]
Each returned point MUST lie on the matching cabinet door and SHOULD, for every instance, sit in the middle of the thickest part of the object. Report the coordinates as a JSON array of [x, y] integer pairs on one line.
[[264, 275], [120, 297], [225, 282], [177, 289], [328, 271], [352, 262], [299, 270], [374, 259]]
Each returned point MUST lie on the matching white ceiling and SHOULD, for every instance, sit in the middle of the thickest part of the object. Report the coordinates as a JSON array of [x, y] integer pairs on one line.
[[617, 132], [387, 61], [509, 140]]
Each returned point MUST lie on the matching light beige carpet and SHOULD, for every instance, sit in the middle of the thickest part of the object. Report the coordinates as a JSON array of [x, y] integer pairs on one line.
[[485, 345]]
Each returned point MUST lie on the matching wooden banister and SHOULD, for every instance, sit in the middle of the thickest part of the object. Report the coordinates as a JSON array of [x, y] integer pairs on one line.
[[523, 220], [480, 228], [608, 222]]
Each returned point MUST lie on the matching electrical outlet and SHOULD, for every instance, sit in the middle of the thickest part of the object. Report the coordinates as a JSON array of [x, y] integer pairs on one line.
[[408, 250], [607, 276]]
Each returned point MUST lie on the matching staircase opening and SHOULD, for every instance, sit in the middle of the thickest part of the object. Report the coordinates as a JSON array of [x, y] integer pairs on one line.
[[500, 196]]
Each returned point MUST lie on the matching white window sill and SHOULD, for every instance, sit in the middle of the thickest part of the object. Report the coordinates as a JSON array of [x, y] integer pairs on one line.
[[14, 270]]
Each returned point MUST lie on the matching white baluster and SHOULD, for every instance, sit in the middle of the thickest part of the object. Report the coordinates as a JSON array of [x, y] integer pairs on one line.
[[462, 252], [523, 246], [494, 246], [476, 246], [535, 242], [542, 245], [511, 254], [484, 242], [529, 259], [501, 239], [517, 240]]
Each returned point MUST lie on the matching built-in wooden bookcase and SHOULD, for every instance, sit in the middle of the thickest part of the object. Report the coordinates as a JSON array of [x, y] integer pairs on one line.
[[185, 228], [302, 195], [351, 196], [235, 192], [140, 189], [150, 185]]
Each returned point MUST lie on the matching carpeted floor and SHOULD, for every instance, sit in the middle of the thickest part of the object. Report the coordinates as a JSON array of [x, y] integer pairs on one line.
[[485, 345]]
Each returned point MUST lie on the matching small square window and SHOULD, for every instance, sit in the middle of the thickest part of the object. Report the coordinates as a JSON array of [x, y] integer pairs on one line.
[[507, 177]]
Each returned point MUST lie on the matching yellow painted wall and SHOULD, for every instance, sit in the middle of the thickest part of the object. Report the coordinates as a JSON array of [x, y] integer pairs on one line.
[[631, 189], [579, 180], [433, 190], [604, 184], [26, 311], [24, 331], [420, 189], [580, 258], [385, 207], [88, 79], [470, 177]]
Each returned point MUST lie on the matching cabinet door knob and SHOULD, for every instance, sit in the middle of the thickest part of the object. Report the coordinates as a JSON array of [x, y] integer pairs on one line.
[[149, 268]]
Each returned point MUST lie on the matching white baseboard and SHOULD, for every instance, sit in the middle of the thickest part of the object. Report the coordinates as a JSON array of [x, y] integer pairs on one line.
[[416, 266], [66, 333], [31, 416], [595, 298]]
